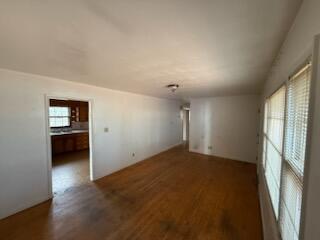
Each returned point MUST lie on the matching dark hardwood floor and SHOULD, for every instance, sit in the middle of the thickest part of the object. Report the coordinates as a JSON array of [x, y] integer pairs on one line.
[[70, 170], [174, 195]]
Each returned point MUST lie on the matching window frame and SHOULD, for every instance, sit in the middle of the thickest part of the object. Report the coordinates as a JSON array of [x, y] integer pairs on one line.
[[69, 116], [266, 100], [304, 182]]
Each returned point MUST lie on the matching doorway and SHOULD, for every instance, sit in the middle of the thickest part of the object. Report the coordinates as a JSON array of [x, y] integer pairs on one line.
[[69, 142], [185, 125]]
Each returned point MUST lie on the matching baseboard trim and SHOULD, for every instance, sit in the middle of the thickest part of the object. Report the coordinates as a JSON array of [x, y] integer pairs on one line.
[[140, 161], [226, 158], [49, 197], [26, 207]]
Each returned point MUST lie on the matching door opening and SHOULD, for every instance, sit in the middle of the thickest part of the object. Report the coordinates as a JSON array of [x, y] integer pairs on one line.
[[186, 123], [69, 143]]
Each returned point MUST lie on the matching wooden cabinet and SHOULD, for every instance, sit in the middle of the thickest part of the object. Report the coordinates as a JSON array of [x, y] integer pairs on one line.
[[82, 141], [57, 145], [83, 113], [79, 109], [69, 143], [74, 114], [80, 113]]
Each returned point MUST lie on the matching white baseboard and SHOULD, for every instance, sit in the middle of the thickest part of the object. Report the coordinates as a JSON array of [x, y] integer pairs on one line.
[[152, 155], [4, 214], [230, 158]]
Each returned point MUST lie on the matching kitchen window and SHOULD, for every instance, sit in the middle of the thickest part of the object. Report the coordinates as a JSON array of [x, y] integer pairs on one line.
[[59, 117]]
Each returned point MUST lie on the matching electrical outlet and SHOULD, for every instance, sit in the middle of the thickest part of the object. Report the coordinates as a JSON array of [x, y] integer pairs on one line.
[[133, 154], [210, 147], [106, 129]]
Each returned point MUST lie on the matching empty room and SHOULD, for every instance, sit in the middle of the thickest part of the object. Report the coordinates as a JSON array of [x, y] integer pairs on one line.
[[160, 120]]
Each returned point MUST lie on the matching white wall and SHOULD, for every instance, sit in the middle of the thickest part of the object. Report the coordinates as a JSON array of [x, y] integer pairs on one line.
[[229, 125], [140, 124], [297, 47]]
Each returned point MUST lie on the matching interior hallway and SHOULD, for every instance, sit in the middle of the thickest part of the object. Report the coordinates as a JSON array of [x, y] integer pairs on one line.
[[173, 195]]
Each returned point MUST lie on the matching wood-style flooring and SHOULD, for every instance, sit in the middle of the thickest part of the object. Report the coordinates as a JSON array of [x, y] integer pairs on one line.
[[174, 195], [70, 170]]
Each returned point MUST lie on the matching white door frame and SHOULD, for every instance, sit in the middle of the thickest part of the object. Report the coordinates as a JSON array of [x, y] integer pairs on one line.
[[48, 136]]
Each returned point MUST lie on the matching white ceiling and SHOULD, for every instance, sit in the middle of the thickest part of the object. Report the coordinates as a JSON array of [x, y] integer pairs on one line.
[[210, 48]]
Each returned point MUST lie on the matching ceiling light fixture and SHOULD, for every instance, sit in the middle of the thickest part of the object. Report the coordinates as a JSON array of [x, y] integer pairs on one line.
[[173, 87]]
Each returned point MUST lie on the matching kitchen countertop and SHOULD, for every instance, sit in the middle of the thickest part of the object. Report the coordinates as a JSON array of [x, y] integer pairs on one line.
[[68, 132]]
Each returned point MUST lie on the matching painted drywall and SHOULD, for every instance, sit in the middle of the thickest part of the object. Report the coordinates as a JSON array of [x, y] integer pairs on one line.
[[295, 50], [225, 127], [140, 124], [208, 47]]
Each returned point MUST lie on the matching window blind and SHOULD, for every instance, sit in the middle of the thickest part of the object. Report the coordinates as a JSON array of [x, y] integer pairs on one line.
[[275, 108], [59, 116], [297, 111], [265, 128]]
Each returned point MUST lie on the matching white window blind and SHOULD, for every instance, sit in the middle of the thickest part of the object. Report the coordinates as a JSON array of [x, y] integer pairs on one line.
[[273, 144], [59, 116], [298, 92], [265, 128]]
